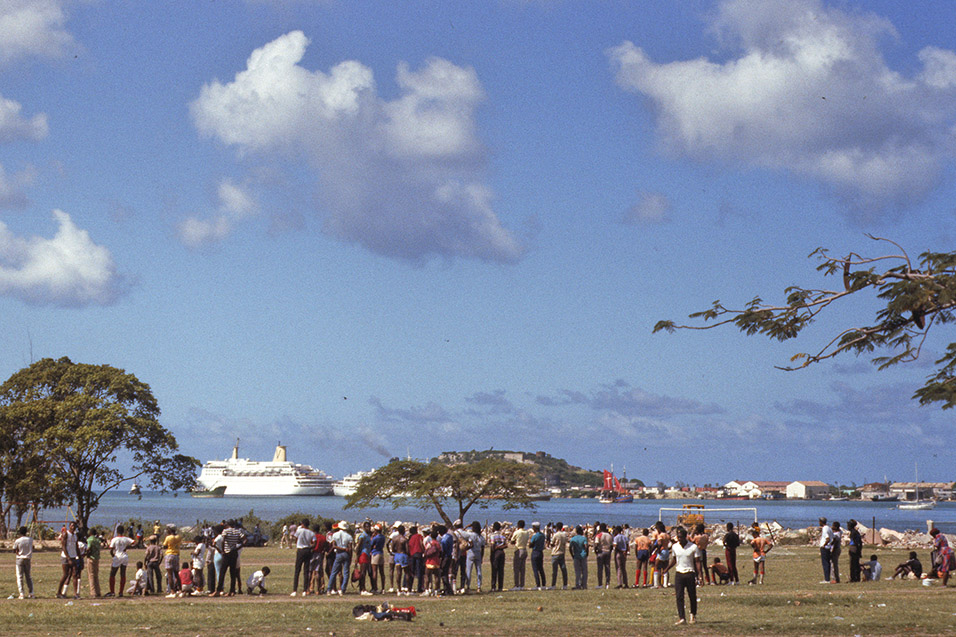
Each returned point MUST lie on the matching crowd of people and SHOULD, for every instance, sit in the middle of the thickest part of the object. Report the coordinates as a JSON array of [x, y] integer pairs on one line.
[[441, 560]]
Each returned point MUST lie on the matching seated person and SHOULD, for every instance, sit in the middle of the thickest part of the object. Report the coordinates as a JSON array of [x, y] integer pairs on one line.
[[720, 571], [910, 569], [186, 580], [138, 585], [258, 581], [872, 570]]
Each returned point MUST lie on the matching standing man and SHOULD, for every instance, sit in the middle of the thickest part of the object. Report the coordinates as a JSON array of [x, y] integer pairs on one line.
[[855, 550], [23, 547], [536, 546], [342, 546], [68, 553], [93, 546], [578, 546], [731, 544], [761, 547], [826, 544], [621, 548], [118, 547], [520, 540], [559, 546], [603, 549], [642, 551], [304, 539], [416, 560], [498, 545]]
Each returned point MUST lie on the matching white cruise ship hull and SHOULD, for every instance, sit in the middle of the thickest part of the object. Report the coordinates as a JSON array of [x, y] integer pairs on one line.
[[241, 476]]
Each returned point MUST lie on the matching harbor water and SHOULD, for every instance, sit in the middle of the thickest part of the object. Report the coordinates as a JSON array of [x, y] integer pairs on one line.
[[183, 509]]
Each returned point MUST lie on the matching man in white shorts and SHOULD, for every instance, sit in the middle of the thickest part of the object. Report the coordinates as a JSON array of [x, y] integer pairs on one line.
[[118, 547]]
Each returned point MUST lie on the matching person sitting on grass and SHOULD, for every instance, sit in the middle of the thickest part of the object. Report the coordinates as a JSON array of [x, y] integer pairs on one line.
[[872, 570], [137, 585], [258, 581], [720, 572], [910, 569]]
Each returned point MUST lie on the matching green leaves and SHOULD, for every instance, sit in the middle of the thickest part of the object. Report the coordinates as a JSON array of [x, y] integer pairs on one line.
[[437, 485], [76, 420], [913, 300]]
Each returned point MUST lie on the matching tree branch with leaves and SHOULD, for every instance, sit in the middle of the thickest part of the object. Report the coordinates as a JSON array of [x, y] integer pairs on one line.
[[439, 486], [913, 298]]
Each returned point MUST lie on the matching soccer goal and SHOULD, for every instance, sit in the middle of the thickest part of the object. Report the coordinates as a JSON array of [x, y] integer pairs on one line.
[[695, 513]]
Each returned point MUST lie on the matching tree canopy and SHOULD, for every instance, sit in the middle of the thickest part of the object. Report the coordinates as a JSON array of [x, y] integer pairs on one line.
[[439, 486], [912, 299], [73, 432]]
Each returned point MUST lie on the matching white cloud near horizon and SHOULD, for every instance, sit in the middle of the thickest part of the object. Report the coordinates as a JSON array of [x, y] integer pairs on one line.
[[235, 204], [32, 27], [68, 270], [403, 178], [805, 89]]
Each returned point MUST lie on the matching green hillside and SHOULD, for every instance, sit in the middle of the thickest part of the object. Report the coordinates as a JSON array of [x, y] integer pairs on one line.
[[554, 472]]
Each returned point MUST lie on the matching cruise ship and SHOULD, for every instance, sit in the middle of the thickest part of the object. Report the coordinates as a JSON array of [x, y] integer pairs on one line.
[[347, 485], [241, 476]]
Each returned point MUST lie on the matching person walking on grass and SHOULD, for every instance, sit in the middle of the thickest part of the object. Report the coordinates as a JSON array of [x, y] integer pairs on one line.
[[685, 553], [68, 553]]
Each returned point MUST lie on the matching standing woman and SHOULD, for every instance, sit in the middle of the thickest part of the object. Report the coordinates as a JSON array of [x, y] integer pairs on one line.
[[686, 578], [855, 549]]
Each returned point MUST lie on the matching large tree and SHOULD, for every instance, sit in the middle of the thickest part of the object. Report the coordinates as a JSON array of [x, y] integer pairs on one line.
[[912, 300], [439, 486], [92, 428]]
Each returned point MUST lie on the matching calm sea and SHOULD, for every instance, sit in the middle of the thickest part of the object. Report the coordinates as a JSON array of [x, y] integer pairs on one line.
[[185, 510]]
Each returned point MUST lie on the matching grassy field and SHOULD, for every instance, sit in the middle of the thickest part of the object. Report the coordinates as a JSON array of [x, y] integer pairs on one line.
[[790, 603]]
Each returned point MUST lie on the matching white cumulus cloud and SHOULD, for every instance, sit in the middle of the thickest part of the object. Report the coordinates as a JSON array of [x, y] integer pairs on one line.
[[67, 270], [235, 203], [806, 89], [32, 27], [401, 177], [13, 126]]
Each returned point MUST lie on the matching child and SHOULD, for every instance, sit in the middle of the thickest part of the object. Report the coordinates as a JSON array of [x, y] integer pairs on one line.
[[258, 580], [138, 585], [872, 570], [199, 560], [185, 581]]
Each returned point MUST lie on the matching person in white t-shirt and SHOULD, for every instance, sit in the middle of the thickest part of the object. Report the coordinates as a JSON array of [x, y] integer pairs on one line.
[[23, 548], [138, 585], [684, 552], [258, 581], [118, 547]]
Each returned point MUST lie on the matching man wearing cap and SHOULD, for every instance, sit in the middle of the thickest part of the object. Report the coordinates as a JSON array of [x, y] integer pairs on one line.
[[536, 547], [342, 548]]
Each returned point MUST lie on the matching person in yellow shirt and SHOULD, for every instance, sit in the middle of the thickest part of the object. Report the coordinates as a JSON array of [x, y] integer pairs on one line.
[[171, 543]]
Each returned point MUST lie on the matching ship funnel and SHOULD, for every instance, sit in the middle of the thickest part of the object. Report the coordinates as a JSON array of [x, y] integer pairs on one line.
[[280, 454], [235, 450]]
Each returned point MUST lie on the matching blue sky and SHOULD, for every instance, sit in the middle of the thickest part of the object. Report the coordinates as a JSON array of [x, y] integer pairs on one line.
[[367, 230]]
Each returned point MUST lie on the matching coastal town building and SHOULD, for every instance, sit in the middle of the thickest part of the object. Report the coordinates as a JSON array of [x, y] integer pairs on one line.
[[753, 489], [922, 490], [807, 490]]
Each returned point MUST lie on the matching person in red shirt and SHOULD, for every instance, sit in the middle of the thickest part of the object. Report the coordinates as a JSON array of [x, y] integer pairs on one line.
[[416, 559], [185, 581], [317, 565]]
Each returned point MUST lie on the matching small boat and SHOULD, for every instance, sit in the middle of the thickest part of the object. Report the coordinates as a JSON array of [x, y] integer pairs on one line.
[[613, 492], [217, 492], [917, 505], [135, 489], [886, 498]]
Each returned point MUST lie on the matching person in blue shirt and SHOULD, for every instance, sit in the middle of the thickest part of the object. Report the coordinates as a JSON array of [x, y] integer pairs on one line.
[[447, 541], [536, 546], [578, 547]]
